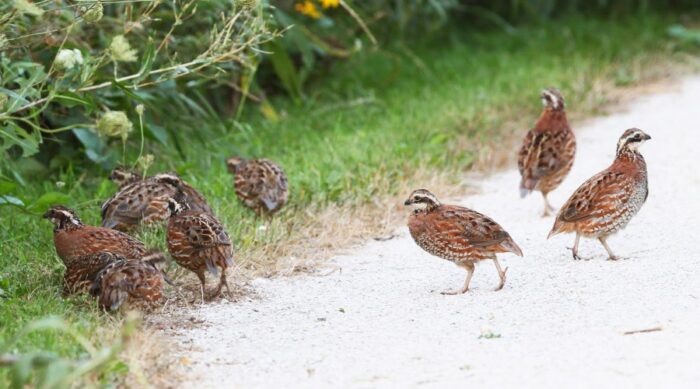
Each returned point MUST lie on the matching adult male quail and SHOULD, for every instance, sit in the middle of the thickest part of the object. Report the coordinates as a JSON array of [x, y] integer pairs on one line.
[[198, 242], [548, 150], [458, 234], [260, 184], [606, 202], [145, 200], [77, 245]]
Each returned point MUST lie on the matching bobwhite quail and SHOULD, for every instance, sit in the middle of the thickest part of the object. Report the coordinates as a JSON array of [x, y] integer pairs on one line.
[[260, 184], [198, 242], [77, 245], [458, 234], [138, 282], [548, 150], [123, 176], [145, 200], [605, 203]]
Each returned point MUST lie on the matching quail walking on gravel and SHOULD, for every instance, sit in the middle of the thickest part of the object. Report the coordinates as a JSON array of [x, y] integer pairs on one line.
[[606, 202], [548, 150], [458, 234]]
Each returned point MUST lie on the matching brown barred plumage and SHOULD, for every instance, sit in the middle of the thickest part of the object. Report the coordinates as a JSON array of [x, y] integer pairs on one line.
[[260, 184], [138, 282], [605, 203], [145, 200], [548, 150], [198, 242], [76, 244], [458, 234]]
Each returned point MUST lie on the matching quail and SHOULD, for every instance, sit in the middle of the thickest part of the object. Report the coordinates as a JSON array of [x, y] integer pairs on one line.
[[198, 242], [123, 176], [458, 234], [260, 184], [138, 282], [548, 150], [77, 244], [606, 202], [145, 200]]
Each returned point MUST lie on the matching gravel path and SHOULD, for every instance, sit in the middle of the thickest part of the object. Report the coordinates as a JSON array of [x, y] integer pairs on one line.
[[558, 323]]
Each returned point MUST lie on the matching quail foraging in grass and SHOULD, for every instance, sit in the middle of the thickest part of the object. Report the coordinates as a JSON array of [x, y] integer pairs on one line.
[[198, 242], [458, 234], [548, 150], [78, 244], [138, 281], [145, 200], [606, 202], [260, 184]]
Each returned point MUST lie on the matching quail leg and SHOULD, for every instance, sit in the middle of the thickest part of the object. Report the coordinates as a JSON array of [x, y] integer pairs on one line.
[[465, 288], [202, 281], [222, 282], [574, 250], [548, 209], [501, 274], [611, 256]]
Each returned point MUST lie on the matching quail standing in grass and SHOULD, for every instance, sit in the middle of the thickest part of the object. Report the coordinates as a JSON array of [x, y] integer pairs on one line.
[[548, 150], [606, 202], [260, 184], [458, 234], [145, 200], [136, 282], [78, 244], [198, 242]]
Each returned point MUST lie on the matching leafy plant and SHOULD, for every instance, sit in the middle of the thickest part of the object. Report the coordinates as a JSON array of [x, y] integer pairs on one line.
[[78, 70], [45, 370]]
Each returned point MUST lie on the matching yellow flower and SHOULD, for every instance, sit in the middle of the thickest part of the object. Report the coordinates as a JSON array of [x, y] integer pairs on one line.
[[307, 8], [330, 4]]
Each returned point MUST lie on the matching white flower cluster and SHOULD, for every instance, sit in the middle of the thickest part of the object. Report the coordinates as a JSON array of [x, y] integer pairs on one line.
[[67, 59]]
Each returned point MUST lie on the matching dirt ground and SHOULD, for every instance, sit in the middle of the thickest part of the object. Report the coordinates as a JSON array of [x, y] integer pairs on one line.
[[380, 321]]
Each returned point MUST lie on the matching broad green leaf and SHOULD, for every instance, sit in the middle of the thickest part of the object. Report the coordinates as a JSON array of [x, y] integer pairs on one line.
[[13, 135], [89, 139], [11, 200], [285, 70], [156, 132], [48, 199], [7, 187]]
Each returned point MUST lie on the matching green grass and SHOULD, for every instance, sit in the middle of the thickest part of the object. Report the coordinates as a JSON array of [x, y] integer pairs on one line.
[[367, 125]]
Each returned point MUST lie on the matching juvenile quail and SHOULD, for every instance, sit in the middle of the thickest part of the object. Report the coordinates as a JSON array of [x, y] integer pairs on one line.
[[198, 242], [138, 282], [77, 244], [260, 184], [145, 200], [458, 234], [606, 202], [548, 150]]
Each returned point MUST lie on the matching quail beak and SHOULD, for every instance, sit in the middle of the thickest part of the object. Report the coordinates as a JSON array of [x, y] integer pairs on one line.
[[646, 137], [407, 202], [46, 215]]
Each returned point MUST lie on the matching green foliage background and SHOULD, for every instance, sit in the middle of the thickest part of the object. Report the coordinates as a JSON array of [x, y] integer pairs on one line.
[[346, 117]]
